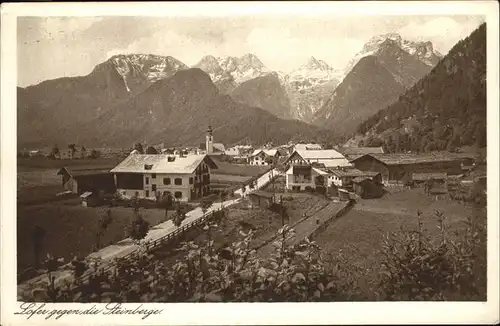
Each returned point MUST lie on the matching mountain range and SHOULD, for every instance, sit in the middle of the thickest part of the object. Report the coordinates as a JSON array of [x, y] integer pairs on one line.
[[91, 108], [385, 68], [444, 110]]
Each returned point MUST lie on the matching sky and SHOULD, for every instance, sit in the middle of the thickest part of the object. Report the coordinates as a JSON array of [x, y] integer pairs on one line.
[[53, 47]]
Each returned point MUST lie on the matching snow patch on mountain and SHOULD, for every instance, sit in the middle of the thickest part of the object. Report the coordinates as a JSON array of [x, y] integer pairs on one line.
[[424, 51], [235, 69], [146, 66]]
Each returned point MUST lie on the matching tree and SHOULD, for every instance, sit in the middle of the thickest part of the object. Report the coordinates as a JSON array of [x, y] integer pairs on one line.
[[83, 152], [180, 215], [95, 154], [103, 223], [167, 203], [72, 148], [139, 227], [205, 205], [55, 152], [138, 147], [151, 150]]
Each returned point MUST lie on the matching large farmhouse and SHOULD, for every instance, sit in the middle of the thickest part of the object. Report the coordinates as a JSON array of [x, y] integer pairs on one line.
[[301, 177], [263, 156], [327, 157], [398, 168], [149, 176]]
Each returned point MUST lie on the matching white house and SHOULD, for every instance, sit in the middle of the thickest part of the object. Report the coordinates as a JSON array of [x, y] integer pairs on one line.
[[148, 176], [233, 151], [299, 177], [328, 157], [262, 156]]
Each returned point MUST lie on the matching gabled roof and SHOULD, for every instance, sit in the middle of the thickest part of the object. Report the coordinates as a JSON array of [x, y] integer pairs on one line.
[[348, 172], [328, 157], [362, 150], [305, 147], [400, 159], [82, 171], [219, 146], [268, 152], [160, 163], [360, 179]]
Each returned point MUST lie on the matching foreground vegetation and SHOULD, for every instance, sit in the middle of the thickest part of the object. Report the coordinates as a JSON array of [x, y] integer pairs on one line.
[[417, 265]]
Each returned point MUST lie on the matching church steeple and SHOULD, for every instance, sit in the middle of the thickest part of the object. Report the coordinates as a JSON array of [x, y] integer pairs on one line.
[[209, 141]]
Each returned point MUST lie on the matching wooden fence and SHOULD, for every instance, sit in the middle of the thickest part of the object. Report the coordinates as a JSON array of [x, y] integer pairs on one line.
[[164, 240], [154, 244]]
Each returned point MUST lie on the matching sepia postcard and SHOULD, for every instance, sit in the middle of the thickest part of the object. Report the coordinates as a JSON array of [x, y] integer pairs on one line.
[[249, 163]]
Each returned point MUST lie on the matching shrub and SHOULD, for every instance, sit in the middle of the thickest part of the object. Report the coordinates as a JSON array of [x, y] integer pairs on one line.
[[309, 189], [233, 273], [418, 267]]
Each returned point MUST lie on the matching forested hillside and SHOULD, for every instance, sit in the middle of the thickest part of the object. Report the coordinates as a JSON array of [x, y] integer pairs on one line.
[[444, 110]]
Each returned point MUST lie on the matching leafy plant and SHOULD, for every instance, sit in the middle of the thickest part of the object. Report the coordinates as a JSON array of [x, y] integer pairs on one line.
[[418, 267], [139, 228]]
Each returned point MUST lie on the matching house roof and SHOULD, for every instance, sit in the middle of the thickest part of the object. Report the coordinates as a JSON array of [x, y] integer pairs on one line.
[[268, 152], [362, 150], [398, 159], [219, 146], [307, 147], [360, 179], [160, 164], [348, 172], [83, 171], [319, 154], [428, 176]]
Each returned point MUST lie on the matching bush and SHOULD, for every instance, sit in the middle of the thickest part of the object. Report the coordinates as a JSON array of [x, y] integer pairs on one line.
[[309, 189], [233, 273], [418, 267]]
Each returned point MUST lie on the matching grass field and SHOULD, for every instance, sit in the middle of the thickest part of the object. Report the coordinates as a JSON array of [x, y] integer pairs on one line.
[[71, 228], [358, 234], [70, 224]]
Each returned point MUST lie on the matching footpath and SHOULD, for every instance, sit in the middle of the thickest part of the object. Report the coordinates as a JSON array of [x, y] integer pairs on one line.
[[125, 247], [311, 225]]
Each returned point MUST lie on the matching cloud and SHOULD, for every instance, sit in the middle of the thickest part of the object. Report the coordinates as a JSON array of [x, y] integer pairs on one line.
[[59, 28]]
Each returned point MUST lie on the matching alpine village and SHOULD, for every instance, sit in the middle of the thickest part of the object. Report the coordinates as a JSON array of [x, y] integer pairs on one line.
[[148, 180]]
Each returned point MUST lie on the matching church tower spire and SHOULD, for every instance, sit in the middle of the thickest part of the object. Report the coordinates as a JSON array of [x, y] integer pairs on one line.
[[209, 141]]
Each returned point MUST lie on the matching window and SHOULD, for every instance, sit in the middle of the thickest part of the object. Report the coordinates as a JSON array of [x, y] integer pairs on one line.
[[147, 193], [191, 181], [166, 181], [124, 193], [148, 166], [137, 194], [178, 181], [147, 180], [178, 194], [153, 176], [153, 187]]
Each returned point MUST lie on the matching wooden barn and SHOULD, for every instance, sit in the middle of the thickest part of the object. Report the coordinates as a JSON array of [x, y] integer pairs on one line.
[[81, 180], [367, 188], [262, 198], [398, 168]]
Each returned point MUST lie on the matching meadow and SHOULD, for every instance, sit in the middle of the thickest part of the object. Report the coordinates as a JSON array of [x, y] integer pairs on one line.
[[358, 235]]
